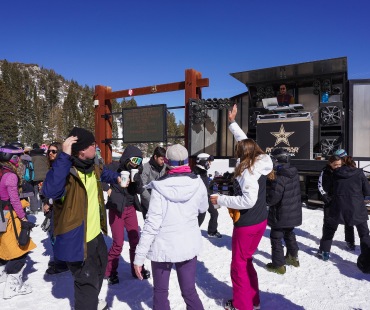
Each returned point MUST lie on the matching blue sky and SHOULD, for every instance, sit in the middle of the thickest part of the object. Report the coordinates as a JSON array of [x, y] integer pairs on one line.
[[128, 44]]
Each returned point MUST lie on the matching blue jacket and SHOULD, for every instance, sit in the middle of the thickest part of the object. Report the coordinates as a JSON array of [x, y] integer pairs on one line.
[[69, 195]]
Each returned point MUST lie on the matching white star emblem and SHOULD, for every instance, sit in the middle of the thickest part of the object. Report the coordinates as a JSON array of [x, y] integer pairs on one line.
[[282, 136]]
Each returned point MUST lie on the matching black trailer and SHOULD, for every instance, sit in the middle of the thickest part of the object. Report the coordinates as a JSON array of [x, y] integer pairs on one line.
[[329, 112]]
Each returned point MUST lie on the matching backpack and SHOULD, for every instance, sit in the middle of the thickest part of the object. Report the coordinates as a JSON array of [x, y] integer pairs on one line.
[[41, 167], [29, 171]]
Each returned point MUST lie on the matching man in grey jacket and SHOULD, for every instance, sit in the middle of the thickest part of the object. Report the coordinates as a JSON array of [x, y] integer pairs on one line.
[[152, 170]]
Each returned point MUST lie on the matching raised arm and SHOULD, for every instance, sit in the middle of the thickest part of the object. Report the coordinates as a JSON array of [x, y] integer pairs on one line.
[[234, 128]]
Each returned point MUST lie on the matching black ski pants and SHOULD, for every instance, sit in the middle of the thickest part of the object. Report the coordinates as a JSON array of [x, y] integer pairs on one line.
[[277, 249], [14, 265], [88, 275], [349, 231], [329, 229], [212, 224]]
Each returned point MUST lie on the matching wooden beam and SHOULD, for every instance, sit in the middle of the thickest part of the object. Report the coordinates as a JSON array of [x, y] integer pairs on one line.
[[162, 88]]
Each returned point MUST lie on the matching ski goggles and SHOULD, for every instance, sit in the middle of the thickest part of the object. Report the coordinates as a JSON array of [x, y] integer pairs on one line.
[[136, 160]]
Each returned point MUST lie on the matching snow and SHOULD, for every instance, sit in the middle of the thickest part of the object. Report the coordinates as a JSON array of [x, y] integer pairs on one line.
[[336, 284]]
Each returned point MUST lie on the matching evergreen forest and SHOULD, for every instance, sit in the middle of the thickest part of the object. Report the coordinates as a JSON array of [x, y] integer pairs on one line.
[[37, 105]]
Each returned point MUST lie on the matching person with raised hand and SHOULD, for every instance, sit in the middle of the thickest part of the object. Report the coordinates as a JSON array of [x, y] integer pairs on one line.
[[249, 215], [74, 185]]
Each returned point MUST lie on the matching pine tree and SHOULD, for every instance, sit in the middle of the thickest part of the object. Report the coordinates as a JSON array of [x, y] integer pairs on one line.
[[71, 111], [8, 118]]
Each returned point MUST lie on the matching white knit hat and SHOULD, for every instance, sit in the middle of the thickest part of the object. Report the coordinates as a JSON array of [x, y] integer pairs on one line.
[[177, 155]]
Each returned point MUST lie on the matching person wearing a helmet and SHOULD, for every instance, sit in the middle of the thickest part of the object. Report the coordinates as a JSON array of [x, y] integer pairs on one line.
[[12, 256], [285, 212], [203, 163]]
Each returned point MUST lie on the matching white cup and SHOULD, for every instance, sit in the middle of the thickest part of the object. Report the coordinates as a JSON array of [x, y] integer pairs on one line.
[[133, 172], [125, 178], [216, 206]]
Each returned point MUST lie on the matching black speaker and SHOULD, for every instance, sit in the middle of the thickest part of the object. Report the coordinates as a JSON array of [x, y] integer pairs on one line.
[[329, 144], [331, 127], [331, 114]]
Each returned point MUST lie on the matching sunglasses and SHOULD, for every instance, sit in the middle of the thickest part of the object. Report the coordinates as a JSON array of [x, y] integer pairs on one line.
[[136, 160], [52, 151]]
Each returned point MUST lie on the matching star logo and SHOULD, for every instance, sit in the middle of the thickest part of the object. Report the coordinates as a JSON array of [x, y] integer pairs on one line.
[[282, 136]]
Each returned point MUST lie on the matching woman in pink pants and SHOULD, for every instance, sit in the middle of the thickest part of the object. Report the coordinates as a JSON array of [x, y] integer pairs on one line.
[[249, 212]]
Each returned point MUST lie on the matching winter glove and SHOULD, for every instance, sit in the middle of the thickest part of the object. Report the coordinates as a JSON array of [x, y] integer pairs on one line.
[[45, 226], [24, 236]]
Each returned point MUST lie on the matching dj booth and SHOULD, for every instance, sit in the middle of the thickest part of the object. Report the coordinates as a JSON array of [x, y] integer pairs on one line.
[[292, 131]]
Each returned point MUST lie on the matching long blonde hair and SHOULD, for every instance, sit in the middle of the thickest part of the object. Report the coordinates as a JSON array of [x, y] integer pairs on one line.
[[248, 151], [14, 169]]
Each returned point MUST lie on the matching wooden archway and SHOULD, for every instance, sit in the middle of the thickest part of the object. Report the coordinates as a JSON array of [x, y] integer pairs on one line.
[[103, 96]]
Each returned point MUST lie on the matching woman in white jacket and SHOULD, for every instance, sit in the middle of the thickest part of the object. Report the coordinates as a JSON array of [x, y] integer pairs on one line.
[[249, 212], [171, 234]]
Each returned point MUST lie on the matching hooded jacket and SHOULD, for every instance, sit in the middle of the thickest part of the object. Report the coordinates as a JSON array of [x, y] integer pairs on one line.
[[64, 186], [122, 197], [250, 193], [350, 187], [284, 198], [171, 232], [249, 188]]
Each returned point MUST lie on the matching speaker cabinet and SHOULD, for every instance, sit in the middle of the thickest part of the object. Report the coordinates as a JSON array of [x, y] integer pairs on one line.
[[330, 143], [331, 114], [331, 127]]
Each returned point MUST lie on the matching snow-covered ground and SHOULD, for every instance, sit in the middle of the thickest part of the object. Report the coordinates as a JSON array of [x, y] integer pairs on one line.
[[336, 284]]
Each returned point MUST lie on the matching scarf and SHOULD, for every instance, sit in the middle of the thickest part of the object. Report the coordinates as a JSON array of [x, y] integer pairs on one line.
[[83, 165], [180, 169]]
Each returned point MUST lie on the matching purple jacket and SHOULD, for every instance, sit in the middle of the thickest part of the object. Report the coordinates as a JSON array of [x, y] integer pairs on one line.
[[9, 191]]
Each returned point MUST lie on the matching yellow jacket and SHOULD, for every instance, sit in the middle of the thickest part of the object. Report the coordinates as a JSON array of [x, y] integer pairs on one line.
[[9, 248]]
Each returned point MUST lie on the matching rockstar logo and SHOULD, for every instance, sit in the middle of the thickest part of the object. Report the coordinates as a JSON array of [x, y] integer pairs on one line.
[[282, 136]]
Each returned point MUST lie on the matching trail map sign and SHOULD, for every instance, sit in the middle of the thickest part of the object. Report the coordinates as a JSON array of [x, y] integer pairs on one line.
[[144, 124]]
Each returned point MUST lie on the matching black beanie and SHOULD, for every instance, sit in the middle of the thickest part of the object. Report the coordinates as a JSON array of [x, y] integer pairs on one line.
[[85, 139]]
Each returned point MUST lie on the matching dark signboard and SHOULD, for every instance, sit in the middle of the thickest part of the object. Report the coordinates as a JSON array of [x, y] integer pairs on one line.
[[144, 124], [294, 135]]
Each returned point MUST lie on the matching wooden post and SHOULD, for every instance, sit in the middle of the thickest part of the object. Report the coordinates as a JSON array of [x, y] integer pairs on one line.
[[190, 93], [103, 126]]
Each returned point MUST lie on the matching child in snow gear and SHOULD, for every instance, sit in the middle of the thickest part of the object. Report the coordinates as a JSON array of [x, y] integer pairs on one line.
[[285, 211]]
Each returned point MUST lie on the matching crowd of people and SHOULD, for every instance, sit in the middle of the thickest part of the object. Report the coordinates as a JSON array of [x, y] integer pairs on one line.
[[67, 181]]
